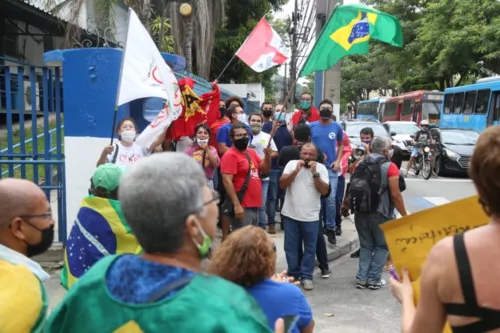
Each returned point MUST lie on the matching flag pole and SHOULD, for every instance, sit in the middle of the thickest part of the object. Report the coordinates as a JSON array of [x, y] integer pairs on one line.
[[115, 113], [234, 55]]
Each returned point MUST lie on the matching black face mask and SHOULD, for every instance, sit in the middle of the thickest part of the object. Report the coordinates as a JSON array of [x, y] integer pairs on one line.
[[306, 164], [222, 111], [241, 144], [45, 243], [267, 113], [325, 113]]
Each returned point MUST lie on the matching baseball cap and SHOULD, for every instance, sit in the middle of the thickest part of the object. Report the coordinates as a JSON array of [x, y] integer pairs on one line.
[[107, 176]]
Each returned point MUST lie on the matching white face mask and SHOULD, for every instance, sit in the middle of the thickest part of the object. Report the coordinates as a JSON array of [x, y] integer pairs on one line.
[[128, 136], [242, 117], [390, 152], [202, 142]]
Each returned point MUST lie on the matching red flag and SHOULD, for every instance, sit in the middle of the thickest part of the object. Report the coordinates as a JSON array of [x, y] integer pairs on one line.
[[263, 49], [195, 110]]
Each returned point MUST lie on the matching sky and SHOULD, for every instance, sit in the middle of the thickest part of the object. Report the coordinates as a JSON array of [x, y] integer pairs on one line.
[[286, 12]]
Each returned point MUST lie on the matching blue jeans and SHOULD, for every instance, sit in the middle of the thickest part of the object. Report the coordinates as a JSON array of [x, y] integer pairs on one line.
[[373, 247], [298, 234], [329, 203], [321, 253], [262, 209], [338, 200], [273, 195], [216, 178]]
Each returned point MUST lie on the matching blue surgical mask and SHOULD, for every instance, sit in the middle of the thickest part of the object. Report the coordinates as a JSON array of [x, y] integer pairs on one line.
[[280, 116], [305, 105]]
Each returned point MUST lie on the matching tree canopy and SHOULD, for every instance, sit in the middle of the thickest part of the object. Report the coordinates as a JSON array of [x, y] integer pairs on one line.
[[446, 43]]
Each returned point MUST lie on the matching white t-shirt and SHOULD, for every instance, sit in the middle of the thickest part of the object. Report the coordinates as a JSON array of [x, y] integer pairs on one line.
[[127, 156], [302, 199], [260, 142]]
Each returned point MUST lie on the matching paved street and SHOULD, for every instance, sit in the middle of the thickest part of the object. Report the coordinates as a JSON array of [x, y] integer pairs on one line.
[[353, 310]]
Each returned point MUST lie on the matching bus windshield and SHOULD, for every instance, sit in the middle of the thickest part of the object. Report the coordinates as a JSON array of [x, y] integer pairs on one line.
[[430, 108], [460, 137], [368, 109]]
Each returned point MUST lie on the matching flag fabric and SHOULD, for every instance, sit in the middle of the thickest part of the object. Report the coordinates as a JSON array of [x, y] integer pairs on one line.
[[144, 73], [263, 49], [99, 230], [195, 109], [347, 32]]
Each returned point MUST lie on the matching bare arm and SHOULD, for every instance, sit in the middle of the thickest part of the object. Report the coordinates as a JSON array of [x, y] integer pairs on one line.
[[222, 148], [309, 328], [227, 179], [396, 196], [287, 178], [103, 159], [265, 165], [214, 161], [321, 186]]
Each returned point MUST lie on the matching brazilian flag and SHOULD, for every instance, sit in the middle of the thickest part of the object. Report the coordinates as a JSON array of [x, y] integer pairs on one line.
[[348, 31], [99, 230]]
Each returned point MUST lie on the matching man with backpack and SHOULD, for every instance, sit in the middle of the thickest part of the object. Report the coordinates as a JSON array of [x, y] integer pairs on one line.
[[374, 192]]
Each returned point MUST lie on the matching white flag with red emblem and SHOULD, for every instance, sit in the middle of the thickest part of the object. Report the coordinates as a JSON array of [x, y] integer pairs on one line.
[[263, 49]]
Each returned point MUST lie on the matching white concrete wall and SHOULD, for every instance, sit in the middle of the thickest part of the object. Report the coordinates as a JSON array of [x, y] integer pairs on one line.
[[240, 89], [258, 90]]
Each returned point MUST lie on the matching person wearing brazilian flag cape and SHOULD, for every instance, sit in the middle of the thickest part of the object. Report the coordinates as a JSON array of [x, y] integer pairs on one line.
[[26, 230], [99, 229]]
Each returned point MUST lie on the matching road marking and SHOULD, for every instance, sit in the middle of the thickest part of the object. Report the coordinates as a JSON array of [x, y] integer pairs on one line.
[[450, 180], [435, 201]]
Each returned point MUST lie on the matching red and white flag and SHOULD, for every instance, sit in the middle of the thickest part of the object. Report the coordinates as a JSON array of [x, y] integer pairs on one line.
[[263, 49]]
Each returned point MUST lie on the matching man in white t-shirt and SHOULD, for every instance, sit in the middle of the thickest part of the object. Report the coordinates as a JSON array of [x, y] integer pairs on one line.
[[305, 181], [260, 142]]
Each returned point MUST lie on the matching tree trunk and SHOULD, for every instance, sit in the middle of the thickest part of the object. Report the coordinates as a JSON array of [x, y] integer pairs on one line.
[[188, 44]]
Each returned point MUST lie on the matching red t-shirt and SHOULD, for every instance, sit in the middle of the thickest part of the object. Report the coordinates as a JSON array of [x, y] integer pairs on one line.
[[392, 171], [313, 116], [235, 163], [213, 131]]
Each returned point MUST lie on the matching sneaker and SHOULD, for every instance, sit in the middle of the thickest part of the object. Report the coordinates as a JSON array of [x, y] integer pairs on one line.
[[338, 231], [331, 237], [361, 284], [355, 254], [377, 286], [326, 273], [307, 284], [272, 229]]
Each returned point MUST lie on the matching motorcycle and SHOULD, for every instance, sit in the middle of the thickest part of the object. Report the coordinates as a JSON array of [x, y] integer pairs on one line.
[[422, 161]]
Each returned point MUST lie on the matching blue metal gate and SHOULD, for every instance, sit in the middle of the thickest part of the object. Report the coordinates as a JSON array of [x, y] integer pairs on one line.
[[31, 131]]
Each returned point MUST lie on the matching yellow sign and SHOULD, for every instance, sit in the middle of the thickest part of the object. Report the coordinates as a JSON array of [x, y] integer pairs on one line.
[[411, 238]]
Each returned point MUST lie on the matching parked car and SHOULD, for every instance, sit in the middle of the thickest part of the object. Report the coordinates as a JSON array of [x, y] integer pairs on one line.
[[400, 131], [454, 150]]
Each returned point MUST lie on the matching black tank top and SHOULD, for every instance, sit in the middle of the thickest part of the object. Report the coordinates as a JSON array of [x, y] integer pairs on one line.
[[489, 319]]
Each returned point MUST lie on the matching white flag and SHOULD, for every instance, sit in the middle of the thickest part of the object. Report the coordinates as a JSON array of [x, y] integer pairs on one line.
[[144, 73]]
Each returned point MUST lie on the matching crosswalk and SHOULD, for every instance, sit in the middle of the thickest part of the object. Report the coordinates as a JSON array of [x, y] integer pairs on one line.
[[415, 204]]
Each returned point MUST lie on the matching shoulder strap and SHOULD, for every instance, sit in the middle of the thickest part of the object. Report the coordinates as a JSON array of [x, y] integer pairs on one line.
[[115, 155], [464, 270], [241, 192], [168, 288]]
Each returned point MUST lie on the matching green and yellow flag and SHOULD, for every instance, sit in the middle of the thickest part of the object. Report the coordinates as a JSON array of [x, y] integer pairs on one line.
[[100, 230], [348, 31]]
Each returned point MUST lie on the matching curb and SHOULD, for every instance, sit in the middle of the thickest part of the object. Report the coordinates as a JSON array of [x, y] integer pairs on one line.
[[340, 251]]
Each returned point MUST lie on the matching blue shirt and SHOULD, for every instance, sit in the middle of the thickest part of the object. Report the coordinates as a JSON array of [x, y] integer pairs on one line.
[[281, 299], [282, 138], [132, 279], [223, 134], [326, 138]]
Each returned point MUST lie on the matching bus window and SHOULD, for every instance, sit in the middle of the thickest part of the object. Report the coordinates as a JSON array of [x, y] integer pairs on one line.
[[448, 103], [496, 108], [417, 113], [483, 97], [457, 103], [406, 111], [391, 109], [470, 98]]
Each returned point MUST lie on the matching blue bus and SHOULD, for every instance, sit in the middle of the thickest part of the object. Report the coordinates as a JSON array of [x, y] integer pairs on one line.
[[371, 109], [474, 106]]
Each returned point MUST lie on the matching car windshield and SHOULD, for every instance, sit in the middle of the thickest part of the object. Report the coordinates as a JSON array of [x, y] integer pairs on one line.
[[353, 129], [465, 138], [403, 128]]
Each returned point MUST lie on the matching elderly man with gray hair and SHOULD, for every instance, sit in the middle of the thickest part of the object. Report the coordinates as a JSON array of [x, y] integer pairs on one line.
[[172, 212], [374, 193]]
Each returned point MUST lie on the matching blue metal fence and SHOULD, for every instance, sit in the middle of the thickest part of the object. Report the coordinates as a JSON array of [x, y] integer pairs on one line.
[[32, 95]]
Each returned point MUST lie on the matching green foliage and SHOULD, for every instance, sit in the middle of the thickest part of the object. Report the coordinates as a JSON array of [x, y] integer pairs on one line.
[[167, 42], [446, 43], [241, 17]]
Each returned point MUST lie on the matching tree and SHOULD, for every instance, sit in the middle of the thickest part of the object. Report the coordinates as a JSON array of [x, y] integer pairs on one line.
[[241, 18], [166, 44]]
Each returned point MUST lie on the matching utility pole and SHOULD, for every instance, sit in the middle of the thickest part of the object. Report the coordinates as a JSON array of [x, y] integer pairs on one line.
[[285, 83], [294, 36]]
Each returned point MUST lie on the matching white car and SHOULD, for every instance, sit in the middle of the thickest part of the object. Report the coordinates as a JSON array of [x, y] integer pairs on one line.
[[400, 132]]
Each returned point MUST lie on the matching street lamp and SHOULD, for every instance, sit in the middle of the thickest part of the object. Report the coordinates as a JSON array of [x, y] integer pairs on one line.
[[185, 9]]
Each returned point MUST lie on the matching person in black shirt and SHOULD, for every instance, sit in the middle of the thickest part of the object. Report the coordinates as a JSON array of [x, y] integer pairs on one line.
[[302, 135]]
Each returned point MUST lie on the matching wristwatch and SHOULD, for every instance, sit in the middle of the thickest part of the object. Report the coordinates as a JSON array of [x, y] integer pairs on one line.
[[316, 175]]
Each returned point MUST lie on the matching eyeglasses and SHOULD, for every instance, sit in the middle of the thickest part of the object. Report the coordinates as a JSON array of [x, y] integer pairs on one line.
[[31, 216], [215, 198]]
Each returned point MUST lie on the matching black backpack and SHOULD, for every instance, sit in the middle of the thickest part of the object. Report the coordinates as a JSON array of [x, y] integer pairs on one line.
[[365, 185]]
